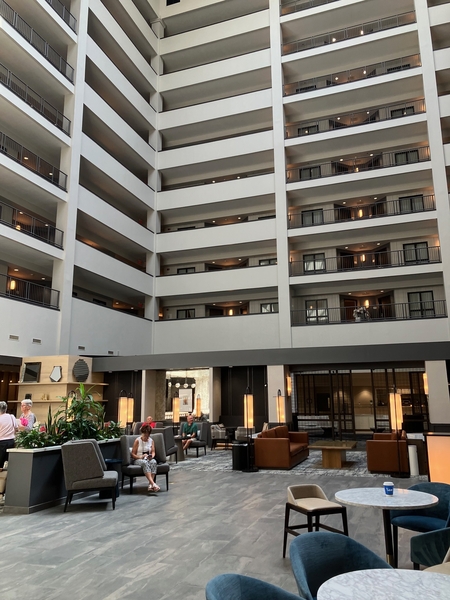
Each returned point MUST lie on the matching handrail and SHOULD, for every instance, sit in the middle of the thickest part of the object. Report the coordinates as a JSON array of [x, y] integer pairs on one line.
[[351, 75], [27, 291], [36, 40], [429, 309], [298, 5], [315, 216], [192, 224], [25, 223], [32, 161], [348, 33], [219, 179], [224, 270], [64, 13], [370, 115], [21, 89], [364, 162], [364, 261]]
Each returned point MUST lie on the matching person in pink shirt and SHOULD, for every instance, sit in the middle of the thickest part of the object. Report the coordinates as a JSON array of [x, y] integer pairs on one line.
[[8, 427]]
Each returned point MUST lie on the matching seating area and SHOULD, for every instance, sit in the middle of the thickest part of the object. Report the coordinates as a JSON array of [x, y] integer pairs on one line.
[[279, 448]]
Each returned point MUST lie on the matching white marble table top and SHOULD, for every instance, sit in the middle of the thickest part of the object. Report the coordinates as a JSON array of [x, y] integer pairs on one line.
[[386, 584], [376, 498]]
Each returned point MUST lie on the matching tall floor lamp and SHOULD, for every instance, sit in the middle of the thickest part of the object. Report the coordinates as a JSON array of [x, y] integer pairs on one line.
[[248, 424], [126, 408], [396, 414]]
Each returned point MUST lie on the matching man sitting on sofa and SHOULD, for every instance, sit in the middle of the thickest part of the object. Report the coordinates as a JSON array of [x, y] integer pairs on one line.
[[188, 431]]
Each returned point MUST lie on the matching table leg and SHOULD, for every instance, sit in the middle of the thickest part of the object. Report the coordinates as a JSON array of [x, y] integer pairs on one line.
[[388, 537]]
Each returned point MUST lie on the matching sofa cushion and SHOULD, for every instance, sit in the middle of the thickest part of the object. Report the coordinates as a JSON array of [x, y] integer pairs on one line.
[[270, 433], [282, 431], [296, 448]]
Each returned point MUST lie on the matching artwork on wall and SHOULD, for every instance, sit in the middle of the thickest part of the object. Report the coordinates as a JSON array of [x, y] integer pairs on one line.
[[185, 396], [30, 372], [56, 374]]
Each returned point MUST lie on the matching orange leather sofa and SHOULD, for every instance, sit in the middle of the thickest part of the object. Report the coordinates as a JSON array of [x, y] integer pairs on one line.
[[388, 453], [279, 448]]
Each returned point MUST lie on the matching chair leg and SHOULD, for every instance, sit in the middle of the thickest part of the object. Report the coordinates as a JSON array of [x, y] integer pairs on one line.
[[167, 482], [67, 500], [395, 544], [344, 521], [197, 451], [123, 477], [310, 522], [131, 485], [204, 448], [113, 496], [317, 523], [287, 511], [416, 566]]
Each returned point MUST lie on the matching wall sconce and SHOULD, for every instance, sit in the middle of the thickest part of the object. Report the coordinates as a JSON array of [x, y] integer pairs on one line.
[[12, 285], [248, 409], [366, 303], [230, 312], [288, 385], [198, 406], [395, 410], [360, 213], [281, 413], [176, 409], [425, 384], [363, 258], [126, 408]]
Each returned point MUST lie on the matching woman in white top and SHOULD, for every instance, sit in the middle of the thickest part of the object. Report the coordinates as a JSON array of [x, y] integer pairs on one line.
[[8, 427], [143, 454]]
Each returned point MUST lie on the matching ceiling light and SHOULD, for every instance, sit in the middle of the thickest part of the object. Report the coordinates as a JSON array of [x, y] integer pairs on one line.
[[238, 177], [378, 243], [213, 221], [239, 258], [43, 278], [239, 218], [333, 39], [16, 270], [338, 119], [341, 159], [20, 212], [364, 72], [362, 32], [213, 181], [371, 154], [25, 158], [344, 203], [336, 78], [349, 293], [346, 247], [368, 112], [375, 197]]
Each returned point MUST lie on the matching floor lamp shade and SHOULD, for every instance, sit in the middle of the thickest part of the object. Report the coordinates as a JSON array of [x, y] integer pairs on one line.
[[248, 410], [176, 410], [198, 406], [126, 408], [396, 411]]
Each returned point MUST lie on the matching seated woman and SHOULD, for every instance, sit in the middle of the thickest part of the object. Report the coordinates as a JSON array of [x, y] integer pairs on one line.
[[27, 415], [143, 454]]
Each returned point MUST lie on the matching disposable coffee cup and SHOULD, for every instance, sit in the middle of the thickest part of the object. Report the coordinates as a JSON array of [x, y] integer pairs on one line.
[[388, 488]]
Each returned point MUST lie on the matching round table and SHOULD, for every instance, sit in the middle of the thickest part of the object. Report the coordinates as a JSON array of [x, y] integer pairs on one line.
[[376, 498], [386, 584]]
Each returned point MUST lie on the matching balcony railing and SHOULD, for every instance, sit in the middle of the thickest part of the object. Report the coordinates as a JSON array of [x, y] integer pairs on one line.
[[65, 15], [358, 74], [372, 259], [432, 309], [26, 291], [302, 5], [32, 161], [358, 164], [35, 40], [25, 223], [218, 179], [353, 119], [349, 33], [18, 87], [316, 216]]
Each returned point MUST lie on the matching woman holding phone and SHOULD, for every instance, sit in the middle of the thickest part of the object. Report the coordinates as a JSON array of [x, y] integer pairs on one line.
[[143, 454]]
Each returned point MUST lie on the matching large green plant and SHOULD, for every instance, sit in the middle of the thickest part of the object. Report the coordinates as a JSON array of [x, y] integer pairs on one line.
[[82, 417]]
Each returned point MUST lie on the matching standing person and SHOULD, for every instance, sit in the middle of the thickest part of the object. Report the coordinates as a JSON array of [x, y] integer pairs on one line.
[[8, 427], [143, 454], [188, 432], [27, 415]]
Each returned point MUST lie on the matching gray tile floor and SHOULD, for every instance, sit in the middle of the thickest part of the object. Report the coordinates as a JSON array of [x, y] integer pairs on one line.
[[170, 544]]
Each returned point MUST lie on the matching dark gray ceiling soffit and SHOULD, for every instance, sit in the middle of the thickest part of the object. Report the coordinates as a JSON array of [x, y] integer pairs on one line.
[[10, 360]]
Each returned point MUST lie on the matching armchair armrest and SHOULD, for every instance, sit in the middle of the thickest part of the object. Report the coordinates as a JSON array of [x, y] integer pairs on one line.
[[299, 437]]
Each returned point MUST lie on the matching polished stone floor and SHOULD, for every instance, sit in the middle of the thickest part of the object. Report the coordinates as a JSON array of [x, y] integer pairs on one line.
[[168, 545]]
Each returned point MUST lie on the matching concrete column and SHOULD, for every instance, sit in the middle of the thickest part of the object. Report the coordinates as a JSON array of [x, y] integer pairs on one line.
[[153, 395], [276, 380], [438, 396], [215, 405]]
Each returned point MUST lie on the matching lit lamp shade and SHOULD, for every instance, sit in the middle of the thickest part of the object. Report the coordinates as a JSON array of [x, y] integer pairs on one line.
[[176, 410], [248, 410], [438, 451], [396, 411], [123, 409], [130, 409], [281, 413], [198, 406], [425, 384]]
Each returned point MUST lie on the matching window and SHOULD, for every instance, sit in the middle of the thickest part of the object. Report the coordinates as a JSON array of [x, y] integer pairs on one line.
[[313, 263], [186, 313], [421, 304], [415, 253], [316, 311], [184, 270], [308, 129], [402, 112], [169, 2], [309, 173], [410, 204], [407, 157], [269, 307], [267, 261], [312, 217]]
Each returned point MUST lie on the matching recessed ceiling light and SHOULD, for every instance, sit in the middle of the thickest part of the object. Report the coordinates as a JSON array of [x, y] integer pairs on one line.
[[364, 72], [213, 221], [344, 203], [214, 181], [20, 212], [346, 247], [378, 243], [341, 159], [375, 197], [238, 177], [25, 158], [368, 112], [43, 278], [349, 293], [16, 270], [333, 39], [338, 119], [371, 154], [239, 258], [239, 218]]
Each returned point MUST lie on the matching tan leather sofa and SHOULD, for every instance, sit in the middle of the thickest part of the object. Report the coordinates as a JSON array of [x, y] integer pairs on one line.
[[279, 448], [388, 453]]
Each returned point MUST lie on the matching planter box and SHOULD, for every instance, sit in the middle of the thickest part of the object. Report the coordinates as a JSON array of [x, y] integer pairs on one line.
[[36, 478]]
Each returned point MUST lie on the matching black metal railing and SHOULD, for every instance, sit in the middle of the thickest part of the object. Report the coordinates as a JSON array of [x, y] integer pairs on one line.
[[302, 5], [350, 75], [32, 161], [21, 89], [36, 40], [317, 265], [316, 216], [218, 179], [431, 309], [63, 12], [358, 164], [25, 223], [353, 119], [27, 291], [349, 33]]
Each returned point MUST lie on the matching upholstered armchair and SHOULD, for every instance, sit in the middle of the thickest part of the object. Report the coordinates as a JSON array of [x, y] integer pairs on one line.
[[431, 548], [200, 441], [131, 470], [85, 470], [169, 440], [388, 453], [231, 586]]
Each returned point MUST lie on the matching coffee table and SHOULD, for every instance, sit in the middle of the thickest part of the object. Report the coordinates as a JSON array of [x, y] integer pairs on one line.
[[376, 498], [386, 584], [333, 452]]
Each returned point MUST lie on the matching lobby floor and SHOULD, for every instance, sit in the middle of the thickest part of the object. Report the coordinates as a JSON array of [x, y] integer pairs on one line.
[[168, 545]]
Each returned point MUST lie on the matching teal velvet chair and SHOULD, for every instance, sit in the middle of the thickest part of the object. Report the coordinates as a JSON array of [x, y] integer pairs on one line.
[[321, 555], [429, 549], [231, 586]]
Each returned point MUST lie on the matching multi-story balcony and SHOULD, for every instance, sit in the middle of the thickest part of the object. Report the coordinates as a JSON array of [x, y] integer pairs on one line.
[[417, 254], [32, 161], [348, 33], [218, 179], [65, 15], [25, 223], [318, 216], [353, 119], [296, 5], [359, 164], [21, 89], [27, 291], [36, 40], [422, 309], [350, 75]]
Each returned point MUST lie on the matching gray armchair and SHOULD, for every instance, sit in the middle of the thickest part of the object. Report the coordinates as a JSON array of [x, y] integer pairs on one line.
[[169, 440], [201, 440], [131, 470], [85, 470]]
